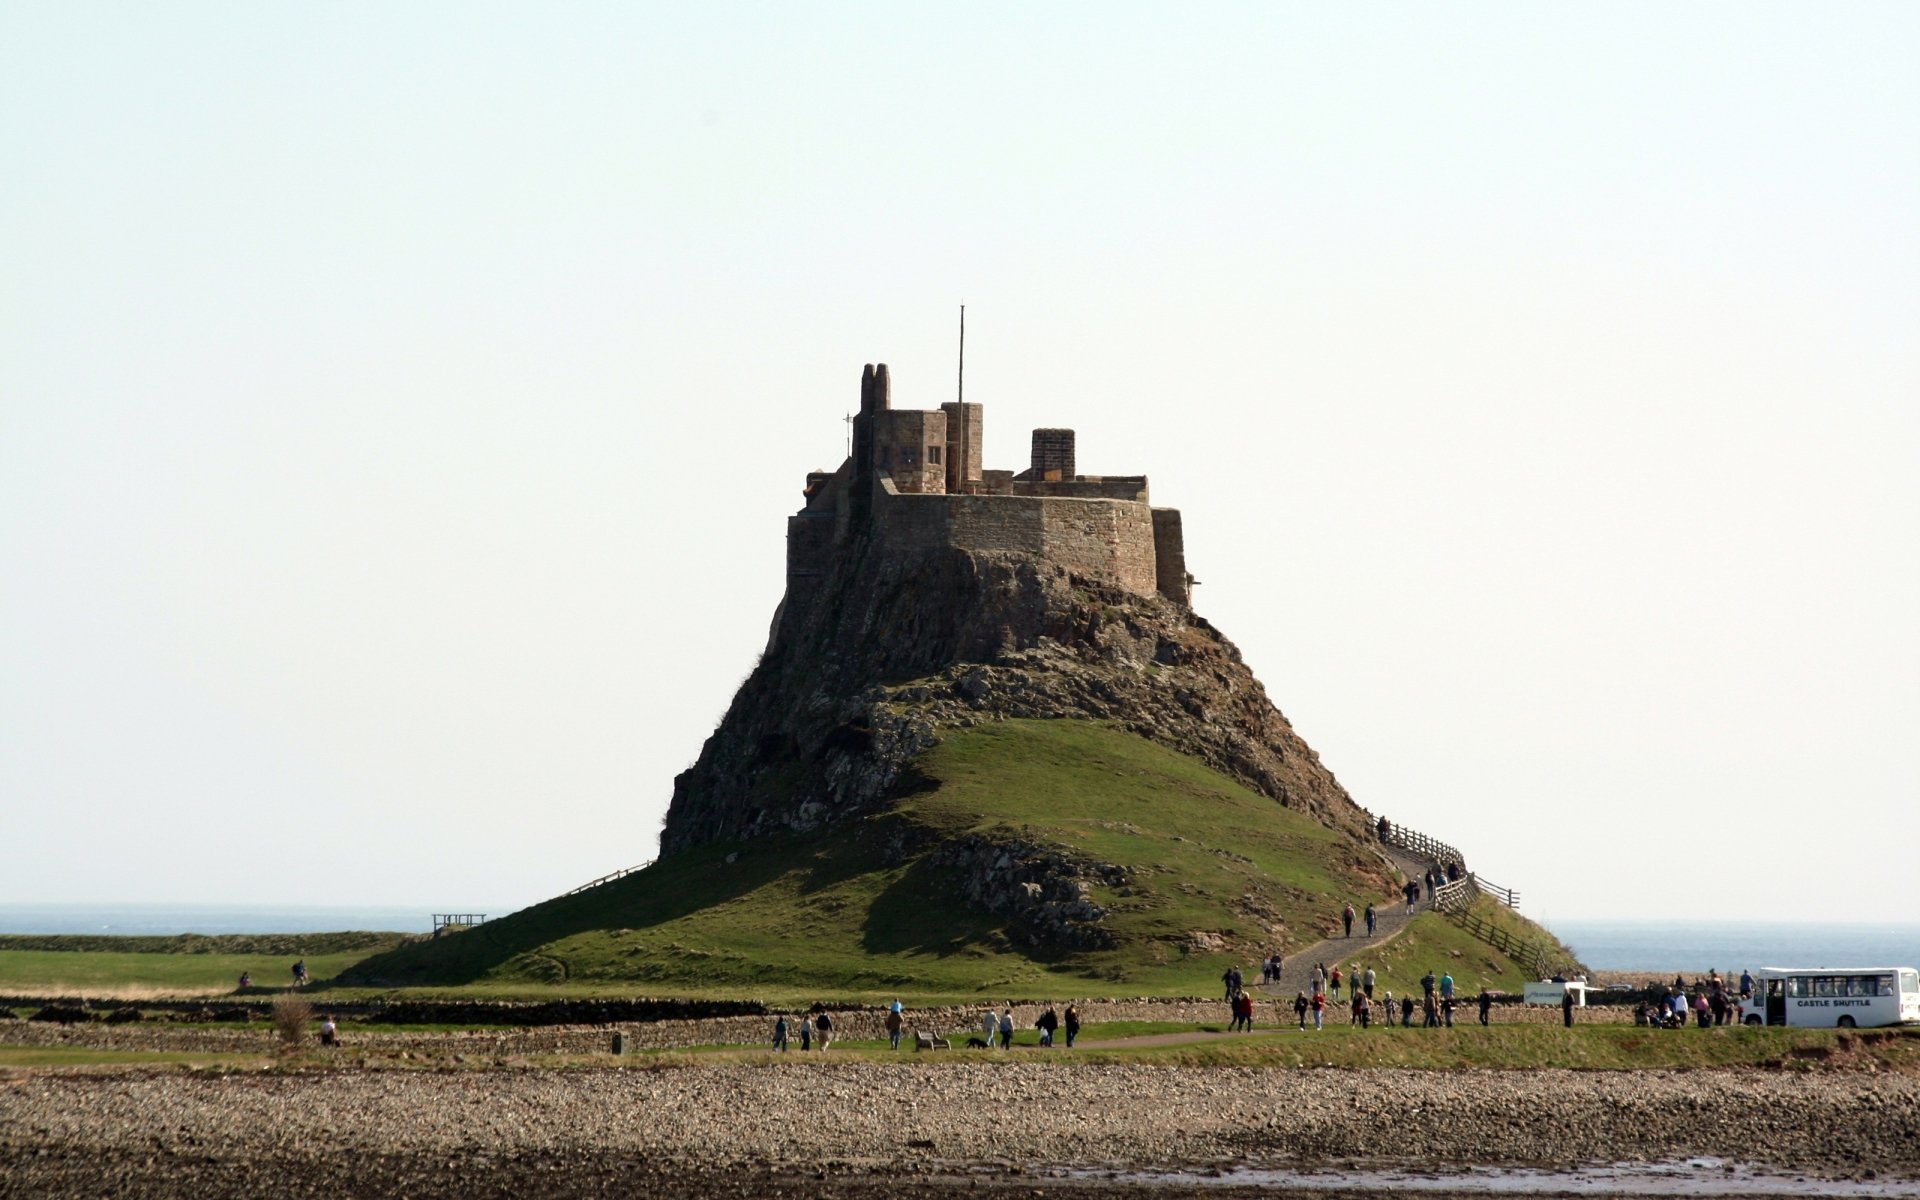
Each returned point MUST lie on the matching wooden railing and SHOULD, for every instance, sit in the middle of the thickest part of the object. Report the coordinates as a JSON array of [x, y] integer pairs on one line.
[[442, 921], [1536, 956], [605, 879], [1456, 896], [1506, 896], [1417, 843]]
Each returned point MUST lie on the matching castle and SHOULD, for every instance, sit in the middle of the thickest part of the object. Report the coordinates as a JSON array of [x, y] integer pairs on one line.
[[914, 483]]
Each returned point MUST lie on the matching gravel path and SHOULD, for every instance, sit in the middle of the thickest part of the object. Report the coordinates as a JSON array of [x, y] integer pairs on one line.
[[704, 1129]]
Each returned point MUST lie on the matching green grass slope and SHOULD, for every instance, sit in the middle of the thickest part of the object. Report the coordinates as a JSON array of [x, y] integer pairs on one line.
[[861, 913]]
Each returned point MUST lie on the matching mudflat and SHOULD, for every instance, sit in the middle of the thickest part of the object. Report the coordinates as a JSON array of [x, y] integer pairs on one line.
[[820, 1127]]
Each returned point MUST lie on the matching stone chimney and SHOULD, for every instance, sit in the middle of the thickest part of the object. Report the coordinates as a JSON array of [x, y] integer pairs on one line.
[[1053, 454]]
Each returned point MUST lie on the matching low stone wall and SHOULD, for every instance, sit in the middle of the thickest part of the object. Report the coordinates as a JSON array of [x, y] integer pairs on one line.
[[955, 1023]]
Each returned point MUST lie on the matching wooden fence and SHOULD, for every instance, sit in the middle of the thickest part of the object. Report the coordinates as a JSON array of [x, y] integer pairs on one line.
[[605, 879], [1535, 956], [1456, 896], [1506, 896], [1417, 843]]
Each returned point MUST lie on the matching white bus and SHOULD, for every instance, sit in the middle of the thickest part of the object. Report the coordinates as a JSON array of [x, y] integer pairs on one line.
[[1828, 996]]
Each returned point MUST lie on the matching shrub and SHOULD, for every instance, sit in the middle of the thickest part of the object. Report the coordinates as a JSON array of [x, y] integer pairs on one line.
[[65, 1014], [291, 1016]]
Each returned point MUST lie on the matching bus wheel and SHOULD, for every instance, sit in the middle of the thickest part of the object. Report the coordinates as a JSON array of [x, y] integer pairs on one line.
[[1753, 1018], [1846, 1022]]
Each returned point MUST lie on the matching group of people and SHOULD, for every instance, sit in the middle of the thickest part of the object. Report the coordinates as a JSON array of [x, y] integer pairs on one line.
[[1372, 919], [1711, 1001], [1436, 1008], [995, 1029], [820, 1023]]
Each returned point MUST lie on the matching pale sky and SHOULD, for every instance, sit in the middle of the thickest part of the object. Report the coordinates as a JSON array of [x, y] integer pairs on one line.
[[400, 407]]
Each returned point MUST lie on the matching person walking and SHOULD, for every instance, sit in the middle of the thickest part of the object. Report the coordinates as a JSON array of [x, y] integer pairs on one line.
[[1367, 985], [1406, 1012], [1073, 1025], [1333, 983], [989, 1026], [1486, 1005], [806, 1034], [1446, 985], [1006, 1028], [1365, 1004], [1347, 916], [1566, 1006], [1319, 1009], [893, 1027], [1048, 1022], [1300, 1007], [1412, 893], [823, 1025], [1373, 920], [780, 1035]]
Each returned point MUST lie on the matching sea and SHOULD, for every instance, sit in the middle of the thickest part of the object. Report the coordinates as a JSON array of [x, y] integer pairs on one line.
[[1695, 947]]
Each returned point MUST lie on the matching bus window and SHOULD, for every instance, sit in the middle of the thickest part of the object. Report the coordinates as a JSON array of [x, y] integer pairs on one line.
[[1823, 985], [1797, 985], [1910, 981], [1884, 986]]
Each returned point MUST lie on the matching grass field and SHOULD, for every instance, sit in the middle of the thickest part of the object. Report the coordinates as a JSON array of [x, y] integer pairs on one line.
[[59, 1057], [862, 913], [1217, 874], [1342, 1047], [1511, 1047], [146, 975]]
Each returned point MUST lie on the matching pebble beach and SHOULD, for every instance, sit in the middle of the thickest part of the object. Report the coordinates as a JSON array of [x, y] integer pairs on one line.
[[817, 1126]]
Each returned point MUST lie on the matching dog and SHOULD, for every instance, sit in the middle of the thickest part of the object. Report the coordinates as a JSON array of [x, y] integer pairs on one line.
[[974, 1043], [926, 1041]]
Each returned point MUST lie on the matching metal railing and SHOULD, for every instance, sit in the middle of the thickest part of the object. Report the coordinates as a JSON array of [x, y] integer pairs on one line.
[[605, 879], [457, 920]]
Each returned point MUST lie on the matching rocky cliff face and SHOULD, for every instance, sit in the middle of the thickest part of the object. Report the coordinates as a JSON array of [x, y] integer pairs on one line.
[[888, 652]]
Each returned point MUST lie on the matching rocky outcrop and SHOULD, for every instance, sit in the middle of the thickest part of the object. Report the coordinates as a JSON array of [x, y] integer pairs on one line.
[[888, 651], [1044, 894]]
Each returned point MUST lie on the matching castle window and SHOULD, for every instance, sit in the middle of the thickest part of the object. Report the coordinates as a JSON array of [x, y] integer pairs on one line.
[[933, 455]]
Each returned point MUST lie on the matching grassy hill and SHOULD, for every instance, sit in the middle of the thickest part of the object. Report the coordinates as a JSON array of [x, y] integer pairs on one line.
[[1215, 874]]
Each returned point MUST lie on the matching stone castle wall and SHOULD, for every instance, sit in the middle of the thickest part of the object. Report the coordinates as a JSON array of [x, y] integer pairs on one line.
[[1105, 539], [914, 484]]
